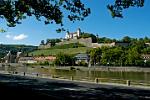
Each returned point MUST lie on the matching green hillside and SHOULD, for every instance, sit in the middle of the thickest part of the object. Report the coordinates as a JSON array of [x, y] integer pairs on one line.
[[66, 46], [56, 51]]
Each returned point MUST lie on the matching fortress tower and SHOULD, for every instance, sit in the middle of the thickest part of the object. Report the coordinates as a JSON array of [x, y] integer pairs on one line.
[[78, 32], [74, 35]]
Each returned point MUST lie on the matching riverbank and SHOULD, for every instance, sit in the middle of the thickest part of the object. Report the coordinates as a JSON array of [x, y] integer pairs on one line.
[[107, 68], [101, 74], [92, 68], [27, 87], [102, 81]]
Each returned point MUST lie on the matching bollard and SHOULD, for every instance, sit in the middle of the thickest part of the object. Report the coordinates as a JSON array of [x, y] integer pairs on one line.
[[128, 82], [96, 80], [24, 73], [52, 76], [72, 78]]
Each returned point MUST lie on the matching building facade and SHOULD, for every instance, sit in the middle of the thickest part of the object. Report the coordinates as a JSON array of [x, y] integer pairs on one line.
[[82, 57], [145, 56], [29, 60], [74, 35], [45, 58], [11, 57]]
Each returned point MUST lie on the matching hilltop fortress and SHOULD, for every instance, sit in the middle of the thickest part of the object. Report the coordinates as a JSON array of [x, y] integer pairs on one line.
[[74, 35], [75, 38]]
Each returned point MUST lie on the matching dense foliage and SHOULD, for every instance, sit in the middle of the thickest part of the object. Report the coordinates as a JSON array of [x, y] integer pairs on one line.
[[64, 60], [87, 35], [125, 39], [121, 55], [95, 55], [119, 5], [53, 11], [52, 42]]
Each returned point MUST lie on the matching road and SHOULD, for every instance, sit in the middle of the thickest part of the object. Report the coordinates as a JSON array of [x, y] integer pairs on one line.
[[18, 87]]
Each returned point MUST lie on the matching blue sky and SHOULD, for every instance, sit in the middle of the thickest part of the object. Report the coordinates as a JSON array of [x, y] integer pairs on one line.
[[136, 23]]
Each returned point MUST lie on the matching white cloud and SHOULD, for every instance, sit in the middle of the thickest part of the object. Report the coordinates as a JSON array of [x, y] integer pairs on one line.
[[8, 36], [16, 37], [20, 37]]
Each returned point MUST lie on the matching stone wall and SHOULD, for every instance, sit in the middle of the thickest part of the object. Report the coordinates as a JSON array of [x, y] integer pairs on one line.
[[44, 46], [95, 45], [85, 41], [106, 68]]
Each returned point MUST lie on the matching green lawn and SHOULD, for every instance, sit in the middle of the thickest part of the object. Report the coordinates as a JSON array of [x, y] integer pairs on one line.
[[56, 51]]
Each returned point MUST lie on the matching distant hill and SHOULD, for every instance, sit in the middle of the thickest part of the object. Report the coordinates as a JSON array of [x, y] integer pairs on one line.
[[4, 48]]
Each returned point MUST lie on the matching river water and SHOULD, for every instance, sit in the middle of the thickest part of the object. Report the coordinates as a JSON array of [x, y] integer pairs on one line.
[[139, 78]]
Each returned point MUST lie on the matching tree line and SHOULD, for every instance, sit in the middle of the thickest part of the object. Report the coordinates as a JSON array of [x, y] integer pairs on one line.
[[122, 56], [114, 56]]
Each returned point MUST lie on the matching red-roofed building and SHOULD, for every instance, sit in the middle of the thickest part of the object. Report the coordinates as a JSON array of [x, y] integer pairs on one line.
[[45, 58]]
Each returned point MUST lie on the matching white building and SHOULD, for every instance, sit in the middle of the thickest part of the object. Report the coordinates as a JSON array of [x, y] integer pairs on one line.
[[10, 57], [29, 60], [74, 35]]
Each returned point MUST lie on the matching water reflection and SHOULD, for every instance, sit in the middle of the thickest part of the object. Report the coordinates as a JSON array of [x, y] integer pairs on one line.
[[81, 74]]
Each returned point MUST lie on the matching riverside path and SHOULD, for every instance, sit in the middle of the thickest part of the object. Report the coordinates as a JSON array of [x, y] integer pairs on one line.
[[16, 87]]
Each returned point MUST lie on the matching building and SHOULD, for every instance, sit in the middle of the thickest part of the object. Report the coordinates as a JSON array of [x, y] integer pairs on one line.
[[29, 60], [43, 58], [82, 57], [147, 44], [10, 57], [74, 35], [145, 56], [123, 44], [99, 45]]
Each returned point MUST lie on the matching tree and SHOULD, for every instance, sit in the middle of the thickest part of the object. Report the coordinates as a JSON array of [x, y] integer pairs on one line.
[[146, 40], [113, 56], [146, 50], [132, 56], [139, 44], [2, 30], [42, 42], [53, 11], [95, 55], [87, 35], [53, 41], [120, 5], [126, 39], [64, 59], [105, 40]]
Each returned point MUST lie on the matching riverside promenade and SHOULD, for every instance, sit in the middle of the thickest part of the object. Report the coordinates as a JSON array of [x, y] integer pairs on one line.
[[15, 87]]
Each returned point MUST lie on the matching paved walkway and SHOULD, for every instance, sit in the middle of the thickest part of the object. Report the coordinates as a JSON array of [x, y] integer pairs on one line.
[[27, 87]]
